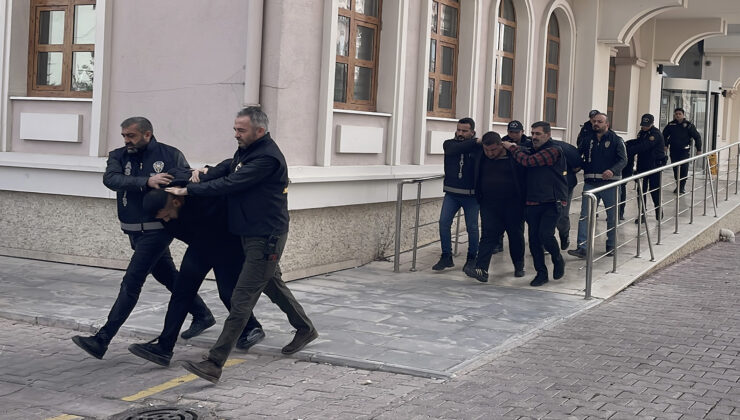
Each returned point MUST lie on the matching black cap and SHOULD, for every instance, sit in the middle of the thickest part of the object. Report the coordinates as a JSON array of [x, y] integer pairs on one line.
[[593, 112], [647, 120], [515, 126]]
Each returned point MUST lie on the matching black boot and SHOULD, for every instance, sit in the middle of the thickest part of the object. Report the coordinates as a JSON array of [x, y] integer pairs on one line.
[[445, 261], [152, 352], [198, 326], [94, 345]]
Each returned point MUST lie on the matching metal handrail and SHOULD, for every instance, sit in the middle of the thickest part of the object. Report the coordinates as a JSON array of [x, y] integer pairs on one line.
[[399, 210], [590, 195]]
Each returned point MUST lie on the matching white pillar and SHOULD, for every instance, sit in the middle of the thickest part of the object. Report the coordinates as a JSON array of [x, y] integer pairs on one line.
[[253, 64]]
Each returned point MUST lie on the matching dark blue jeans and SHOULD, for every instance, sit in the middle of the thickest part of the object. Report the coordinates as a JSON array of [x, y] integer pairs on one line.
[[151, 255], [450, 205], [226, 262]]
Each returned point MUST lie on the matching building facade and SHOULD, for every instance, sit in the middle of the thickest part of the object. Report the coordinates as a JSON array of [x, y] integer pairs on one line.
[[360, 94]]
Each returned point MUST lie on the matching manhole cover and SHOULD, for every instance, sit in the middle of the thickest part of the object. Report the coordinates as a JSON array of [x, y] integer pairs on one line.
[[159, 413]]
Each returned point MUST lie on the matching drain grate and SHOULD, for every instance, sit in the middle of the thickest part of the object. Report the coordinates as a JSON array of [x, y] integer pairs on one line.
[[159, 413]]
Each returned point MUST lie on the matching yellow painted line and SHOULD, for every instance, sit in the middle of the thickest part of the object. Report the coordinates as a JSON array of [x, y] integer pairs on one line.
[[170, 384], [65, 417]]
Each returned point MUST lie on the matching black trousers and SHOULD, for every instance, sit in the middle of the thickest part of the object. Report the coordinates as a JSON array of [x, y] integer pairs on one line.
[[650, 184], [541, 220], [226, 262], [151, 255], [497, 218], [563, 224], [682, 170]]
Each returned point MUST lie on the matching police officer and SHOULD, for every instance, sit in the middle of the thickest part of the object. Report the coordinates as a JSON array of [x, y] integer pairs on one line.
[[141, 165], [461, 157], [678, 134], [200, 222], [547, 191], [604, 157], [573, 163], [649, 150], [255, 182]]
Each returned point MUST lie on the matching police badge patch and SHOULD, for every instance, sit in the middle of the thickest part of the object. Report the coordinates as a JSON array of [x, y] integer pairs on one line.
[[685, 125], [158, 166], [127, 169], [607, 143], [651, 138]]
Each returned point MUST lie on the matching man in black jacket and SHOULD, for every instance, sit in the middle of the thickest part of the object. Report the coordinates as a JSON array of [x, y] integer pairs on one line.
[[461, 156], [141, 165], [255, 182], [500, 193], [547, 192], [200, 222], [573, 164], [678, 134], [649, 149]]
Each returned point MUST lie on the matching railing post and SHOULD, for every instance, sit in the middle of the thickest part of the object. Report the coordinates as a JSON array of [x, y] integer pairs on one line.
[[706, 166], [729, 163], [615, 212], [416, 226], [711, 185], [678, 202], [660, 206], [399, 207], [457, 232], [590, 244]]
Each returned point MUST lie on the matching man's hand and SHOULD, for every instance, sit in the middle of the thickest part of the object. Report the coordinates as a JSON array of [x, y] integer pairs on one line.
[[158, 180], [507, 144], [195, 175], [607, 174], [177, 190]]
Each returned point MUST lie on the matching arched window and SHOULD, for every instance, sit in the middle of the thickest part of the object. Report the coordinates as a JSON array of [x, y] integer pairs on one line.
[[358, 39], [443, 58], [552, 70], [610, 93], [505, 51]]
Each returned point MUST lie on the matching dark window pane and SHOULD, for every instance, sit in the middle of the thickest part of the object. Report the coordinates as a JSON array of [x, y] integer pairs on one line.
[[365, 41], [49, 69], [343, 36], [51, 27], [82, 71], [430, 95], [507, 10], [610, 99], [433, 56], [363, 83], [612, 77], [550, 109], [507, 38], [552, 81], [552, 27], [448, 60], [345, 4], [507, 71], [553, 52], [449, 21], [84, 24], [435, 16], [445, 94], [340, 82], [504, 104], [367, 7]]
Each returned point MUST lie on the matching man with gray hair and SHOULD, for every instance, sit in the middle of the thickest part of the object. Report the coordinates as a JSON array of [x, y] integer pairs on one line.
[[255, 183], [141, 166]]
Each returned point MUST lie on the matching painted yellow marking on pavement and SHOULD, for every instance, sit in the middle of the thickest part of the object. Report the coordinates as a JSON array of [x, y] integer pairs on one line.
[[65, 417], [171, 384]]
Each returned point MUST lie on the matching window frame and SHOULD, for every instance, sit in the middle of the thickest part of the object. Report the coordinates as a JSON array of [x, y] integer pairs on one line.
[[611, 90], [358, 19], [549, 66], [67, 48], [500, 54], [437, 75]]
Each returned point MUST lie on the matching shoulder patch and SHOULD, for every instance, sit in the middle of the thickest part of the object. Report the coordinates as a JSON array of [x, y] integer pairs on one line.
[[651, 138]]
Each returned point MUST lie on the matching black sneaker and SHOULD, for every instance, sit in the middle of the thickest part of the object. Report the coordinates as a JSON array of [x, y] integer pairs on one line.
[[207, 369], [445, 261], [639, 220], [152, 352], [301, 338], [578, 252], [478, 273], [93, 345], [250, 338], [558, 270], [469, 263], [539, 280], [519, 272], [198, 326]]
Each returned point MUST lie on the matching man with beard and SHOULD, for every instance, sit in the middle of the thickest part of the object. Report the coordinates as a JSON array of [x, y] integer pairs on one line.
[[678, 134]]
